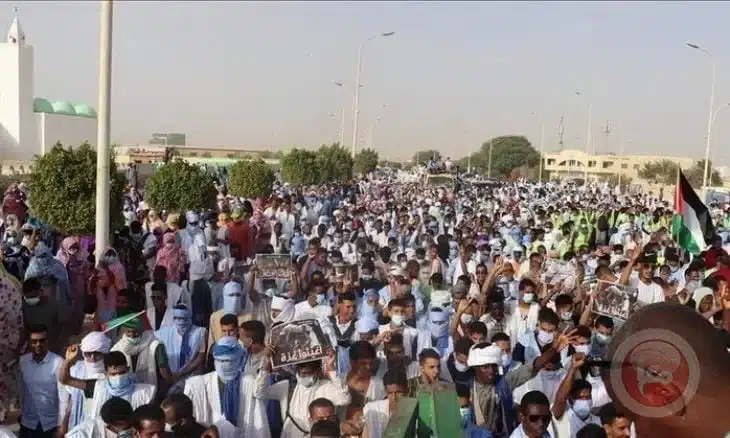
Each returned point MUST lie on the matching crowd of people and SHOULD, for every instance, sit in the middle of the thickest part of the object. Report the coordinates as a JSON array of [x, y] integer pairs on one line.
[[486, 292]]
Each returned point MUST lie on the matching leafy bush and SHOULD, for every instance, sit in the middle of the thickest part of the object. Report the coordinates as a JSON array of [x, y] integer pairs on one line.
[[366, 161], [299, 167], [63, 190], [250, 179], [179, 186], [334, 163]]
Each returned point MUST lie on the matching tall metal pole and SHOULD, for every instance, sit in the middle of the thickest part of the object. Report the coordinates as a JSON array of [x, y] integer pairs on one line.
[[489, 161], [103, 129], [706, 172], [342, 127], [356, 110], [588, 139], [542, 152]]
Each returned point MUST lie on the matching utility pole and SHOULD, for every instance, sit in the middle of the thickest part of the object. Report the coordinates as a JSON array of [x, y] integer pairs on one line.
[[606, 134], [561, 132]]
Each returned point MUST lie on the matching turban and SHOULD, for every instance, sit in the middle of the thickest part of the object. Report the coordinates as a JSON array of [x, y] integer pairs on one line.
[[227, 346], [285, 308], [95, 342], [232, 287]]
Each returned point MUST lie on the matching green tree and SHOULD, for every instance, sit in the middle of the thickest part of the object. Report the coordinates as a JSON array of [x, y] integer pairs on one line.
[[299, 167], [366, 161], [696, 175], [421, 156], [179, 186], [265, 155], [63, 190], [662, 171], [250, 179], [334, 163], [508, 152]]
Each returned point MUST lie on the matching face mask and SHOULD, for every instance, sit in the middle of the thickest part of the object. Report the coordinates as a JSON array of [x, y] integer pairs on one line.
[[269, 292], [226, 370], [582, 408], [94, 368], [550, 374], [32, 301], [366, 277], [232, 304], [182, 325], [603, 338], [566, 316], [466, 318], [582, 349], [460, 367], [170, 245], [121, 381], [506, 360], [306, 381], [111, 259], [73, 251], [168, 428], [544, 337], [397, 320], [320, 299], [528, 298], [133, 340]]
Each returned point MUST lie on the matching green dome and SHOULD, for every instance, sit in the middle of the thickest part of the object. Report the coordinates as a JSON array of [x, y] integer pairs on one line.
[[85, 110], [61, 107], [41, 105]]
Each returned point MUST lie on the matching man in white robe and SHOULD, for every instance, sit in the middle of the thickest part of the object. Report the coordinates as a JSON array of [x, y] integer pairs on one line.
[[376, 414], [227, 393], [311, 384], [175, 293], [119, 382], [184, 345], [159, 314], [93, 348], [145, 354], [115, 420]]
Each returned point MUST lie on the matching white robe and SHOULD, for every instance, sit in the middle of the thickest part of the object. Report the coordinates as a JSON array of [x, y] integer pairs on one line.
[[333, 389], [146, 369], [569, 425], [166, 319], [142, 395], [376, 415], [93, 428], [6, 433], [203, 391], [518, 324]]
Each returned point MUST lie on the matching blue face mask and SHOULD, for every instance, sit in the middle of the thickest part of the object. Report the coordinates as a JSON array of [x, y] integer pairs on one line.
[[227, 370], [320, 299], [232, 304], [121, 385], [439, 329], [182, 325]]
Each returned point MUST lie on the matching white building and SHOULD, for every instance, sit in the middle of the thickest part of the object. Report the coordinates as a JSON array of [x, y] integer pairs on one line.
[[31, 125]]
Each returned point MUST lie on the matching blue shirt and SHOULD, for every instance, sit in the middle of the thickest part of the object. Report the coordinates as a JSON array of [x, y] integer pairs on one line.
[[40, 391]]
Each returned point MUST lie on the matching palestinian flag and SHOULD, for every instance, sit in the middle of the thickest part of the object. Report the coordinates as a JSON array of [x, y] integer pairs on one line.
[[120, 321], [692, 227]]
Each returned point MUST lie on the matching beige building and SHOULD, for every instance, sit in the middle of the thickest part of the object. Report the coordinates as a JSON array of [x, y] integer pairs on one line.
[[574, 163]]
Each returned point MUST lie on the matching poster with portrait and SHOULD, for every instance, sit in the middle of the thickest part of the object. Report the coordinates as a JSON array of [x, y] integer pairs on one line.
[[614, 300], [589, 286], [555, 271], [272, 266], [343, 270], [298, 341]]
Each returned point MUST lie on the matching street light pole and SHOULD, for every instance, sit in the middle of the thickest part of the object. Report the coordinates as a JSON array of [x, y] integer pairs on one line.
[[588, 139], [710, 117], [356, 111], [542, 152], [103, 131], [489, 161]]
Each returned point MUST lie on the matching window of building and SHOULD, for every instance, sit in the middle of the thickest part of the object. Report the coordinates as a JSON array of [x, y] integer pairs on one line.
[[636, 167], [551, 161], [624, 165], [607, 164]]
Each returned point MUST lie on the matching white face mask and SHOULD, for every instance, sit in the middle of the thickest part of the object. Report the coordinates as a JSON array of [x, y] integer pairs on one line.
[[397, 320], [460, 367], [528, 298], [94, 368], [544, 338], [466, 318], [506, 360], [306, 381], [582, 349]]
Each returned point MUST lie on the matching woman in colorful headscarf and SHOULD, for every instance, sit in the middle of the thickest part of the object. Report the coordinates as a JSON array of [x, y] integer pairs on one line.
[[153, 221], [113, 262], [74, 258], [11, 327], [43, 264], [172, 257], [103, 287], [224, 249]]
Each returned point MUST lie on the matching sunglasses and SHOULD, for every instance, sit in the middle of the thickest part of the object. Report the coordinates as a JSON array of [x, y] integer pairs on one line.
[[544, 419]]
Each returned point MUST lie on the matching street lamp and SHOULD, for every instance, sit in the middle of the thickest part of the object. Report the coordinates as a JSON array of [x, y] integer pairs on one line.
[[711, 116], [588, 137], [342, 117], [371, 132], [542, 149], [103, 125], [356, 113]]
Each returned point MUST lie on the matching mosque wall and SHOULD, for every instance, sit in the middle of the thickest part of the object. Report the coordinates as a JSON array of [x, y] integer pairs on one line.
[[69, 130]]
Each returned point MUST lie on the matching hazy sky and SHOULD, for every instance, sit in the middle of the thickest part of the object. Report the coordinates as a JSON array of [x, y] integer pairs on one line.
[[260, 75]]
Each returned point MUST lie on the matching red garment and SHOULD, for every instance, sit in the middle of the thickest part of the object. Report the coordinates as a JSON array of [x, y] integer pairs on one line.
[[240, 233], [724, 273], [712, 254]]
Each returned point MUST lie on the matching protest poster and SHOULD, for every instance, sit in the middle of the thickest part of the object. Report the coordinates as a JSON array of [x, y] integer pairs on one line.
[[589, 286], [343, 270], [614, 300], [556, 271], [298, 341], [273, 266]]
